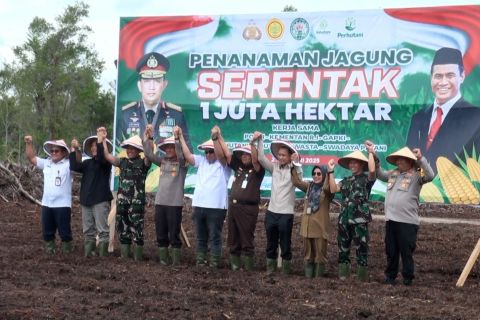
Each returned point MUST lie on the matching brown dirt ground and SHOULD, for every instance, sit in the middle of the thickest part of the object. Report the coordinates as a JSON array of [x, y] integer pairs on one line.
[[37, 286]]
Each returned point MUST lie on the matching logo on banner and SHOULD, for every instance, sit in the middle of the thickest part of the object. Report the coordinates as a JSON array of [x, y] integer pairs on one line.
[[275, 29], [299, 29], [350, 24], [321, 27], [252, 32]]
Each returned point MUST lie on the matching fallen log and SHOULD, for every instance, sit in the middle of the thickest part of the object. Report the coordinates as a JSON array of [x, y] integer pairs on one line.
[[19, 185]]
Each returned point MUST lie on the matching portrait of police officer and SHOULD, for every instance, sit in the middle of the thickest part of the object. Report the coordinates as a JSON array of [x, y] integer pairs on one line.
[[152, 69]]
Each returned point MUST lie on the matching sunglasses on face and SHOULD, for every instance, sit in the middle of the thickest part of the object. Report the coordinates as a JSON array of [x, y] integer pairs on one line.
[[208, 151], [55, 150], [316, 173]]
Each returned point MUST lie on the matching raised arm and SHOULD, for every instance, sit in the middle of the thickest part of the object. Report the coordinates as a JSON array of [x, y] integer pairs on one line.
[[186, 151], [334, 187], [256, 164], [217, 147], [371, 160], [226, 151], [147, 143], [102, 138], [75, 156], [267, 164], [297, 174], [29, 152], [422, 162], [178, 146]]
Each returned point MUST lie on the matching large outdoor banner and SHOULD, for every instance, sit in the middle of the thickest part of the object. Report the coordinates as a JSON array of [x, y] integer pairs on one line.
[[325, 81]]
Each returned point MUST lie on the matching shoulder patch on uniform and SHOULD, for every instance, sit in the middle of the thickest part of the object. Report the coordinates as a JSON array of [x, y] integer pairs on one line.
[[173, 106], [131, 104]]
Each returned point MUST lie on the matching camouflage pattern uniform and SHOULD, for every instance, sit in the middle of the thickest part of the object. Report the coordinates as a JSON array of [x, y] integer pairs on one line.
[[131, 200], [354, 218]]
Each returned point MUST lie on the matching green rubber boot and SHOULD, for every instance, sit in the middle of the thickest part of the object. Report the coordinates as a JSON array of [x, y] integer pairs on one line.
[[125, 250], [286, 267], [50, 247], [362, 273], [89, 248], [163, 256], [67, 247], [319, 270], [215, 261], [344, 271], [248, 263], [103, 248], [176, 254], [234, 262], [138, 253], [201, 259], [309, 269], [271, 265]]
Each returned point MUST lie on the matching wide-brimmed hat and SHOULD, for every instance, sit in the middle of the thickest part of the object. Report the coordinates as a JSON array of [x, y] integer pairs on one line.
[[47, 146], [238, 150], [355, 155], [87, 142], [277, 144], [134, 141], [206, 145], [405, 152], [166, 142]]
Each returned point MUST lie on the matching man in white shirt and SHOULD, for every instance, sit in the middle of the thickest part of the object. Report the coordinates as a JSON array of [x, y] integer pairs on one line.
[[57, 192], [210, 199]]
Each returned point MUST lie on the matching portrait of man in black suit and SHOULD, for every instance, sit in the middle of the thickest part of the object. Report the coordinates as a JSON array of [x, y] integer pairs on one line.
[[449, 124]]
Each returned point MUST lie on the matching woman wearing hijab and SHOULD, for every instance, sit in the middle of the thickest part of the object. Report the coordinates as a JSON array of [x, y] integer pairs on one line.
[[315, 226]]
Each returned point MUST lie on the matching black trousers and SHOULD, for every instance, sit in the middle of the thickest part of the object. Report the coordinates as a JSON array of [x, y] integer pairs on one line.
[[400, 241], [242, 220], [168, 221], [279, 230]]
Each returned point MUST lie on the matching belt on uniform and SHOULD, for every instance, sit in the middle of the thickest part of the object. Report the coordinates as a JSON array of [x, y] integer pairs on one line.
[[248, 203]]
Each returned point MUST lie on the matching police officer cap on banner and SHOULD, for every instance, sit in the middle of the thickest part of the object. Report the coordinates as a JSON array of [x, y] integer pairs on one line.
[[448, 56], [152, 65]]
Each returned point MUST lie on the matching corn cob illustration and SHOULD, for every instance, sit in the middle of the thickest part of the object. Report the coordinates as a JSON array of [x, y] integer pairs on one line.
[[473, 169], [152, 180], [430, 193], [457, 186]]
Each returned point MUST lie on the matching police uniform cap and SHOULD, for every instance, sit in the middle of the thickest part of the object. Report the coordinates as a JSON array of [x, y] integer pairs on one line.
[[448, 56], [153, 65]]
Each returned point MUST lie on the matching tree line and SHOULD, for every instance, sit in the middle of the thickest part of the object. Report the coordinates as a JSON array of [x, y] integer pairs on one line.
[[51, 90]]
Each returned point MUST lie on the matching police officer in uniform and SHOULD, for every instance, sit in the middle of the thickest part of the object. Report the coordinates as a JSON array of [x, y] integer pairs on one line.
[[163, 116]]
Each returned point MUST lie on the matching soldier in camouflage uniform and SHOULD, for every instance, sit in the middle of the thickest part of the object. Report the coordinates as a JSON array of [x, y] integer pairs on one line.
[[355, 214], [131, 195]]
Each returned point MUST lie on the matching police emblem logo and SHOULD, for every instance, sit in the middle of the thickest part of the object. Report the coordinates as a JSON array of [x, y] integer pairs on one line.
[[134, 118], [152, 62], [299, 29], [252, 32], [275, 29]]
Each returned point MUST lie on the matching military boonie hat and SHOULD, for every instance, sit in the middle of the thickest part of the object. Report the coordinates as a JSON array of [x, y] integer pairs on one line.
[[448, 56], [355, 155], [277, 144], [206, 145], [405, 152], [134, 141], [47, 146], [239, 150], [87, 143], [153, 65]]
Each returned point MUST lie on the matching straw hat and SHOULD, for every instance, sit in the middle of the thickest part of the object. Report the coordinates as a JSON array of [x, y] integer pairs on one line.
[[47, 146], [238, 150], [166, 142], [405, 152], [134, 141], [87, 143], [206, 145], [355, 155], [277, 144]]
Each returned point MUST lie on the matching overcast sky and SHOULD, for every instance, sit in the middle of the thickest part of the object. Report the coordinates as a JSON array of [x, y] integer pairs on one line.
[[105, 14]]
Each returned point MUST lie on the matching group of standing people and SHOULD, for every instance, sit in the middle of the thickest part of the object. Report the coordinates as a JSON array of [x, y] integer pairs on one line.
[[211, 201]]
